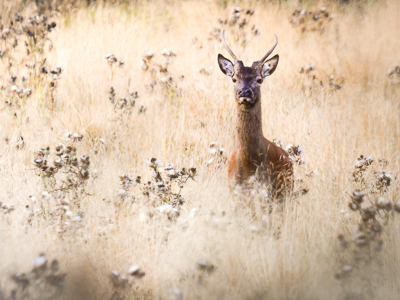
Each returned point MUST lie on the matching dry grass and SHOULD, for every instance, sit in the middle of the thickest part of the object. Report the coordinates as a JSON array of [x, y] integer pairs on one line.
[[333, 128]]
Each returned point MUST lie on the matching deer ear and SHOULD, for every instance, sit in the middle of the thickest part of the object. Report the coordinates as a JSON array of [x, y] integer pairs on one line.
[[225, 65], [269, 66]]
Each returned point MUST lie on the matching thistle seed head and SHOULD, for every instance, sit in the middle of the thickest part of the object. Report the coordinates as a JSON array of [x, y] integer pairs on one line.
[[382, 203], [136, 271], [57, 162], [77, 137], [39, 161], [84, 174], [357, 196], [396, 206], [354, 206], [39, 263], [368, 213], [119, 281], [294, 150], [204, 265]]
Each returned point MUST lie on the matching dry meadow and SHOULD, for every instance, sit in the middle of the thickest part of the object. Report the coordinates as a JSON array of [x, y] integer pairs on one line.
[[191, 237]]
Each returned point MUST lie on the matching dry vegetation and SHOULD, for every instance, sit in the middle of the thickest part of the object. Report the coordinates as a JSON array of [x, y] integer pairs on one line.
[[180, 234]]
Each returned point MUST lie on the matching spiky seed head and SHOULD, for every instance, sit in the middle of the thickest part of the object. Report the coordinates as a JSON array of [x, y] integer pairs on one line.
[[354, 206], [39, 263], [396, 206], [357, 196]]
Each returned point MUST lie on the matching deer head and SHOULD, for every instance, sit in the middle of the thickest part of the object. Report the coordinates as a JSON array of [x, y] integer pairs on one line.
[[247, 80]]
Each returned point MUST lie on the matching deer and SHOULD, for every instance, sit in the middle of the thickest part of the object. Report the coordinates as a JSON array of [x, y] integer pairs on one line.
[[254, 155]]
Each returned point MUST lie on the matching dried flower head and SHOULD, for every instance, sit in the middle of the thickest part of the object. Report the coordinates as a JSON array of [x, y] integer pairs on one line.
[[111, 58], [363, 162], [136, 271], [384, 179], [119, 281], [382, 203], [204, 265], [368, 213], [396, 206], [294, 150], [358, 196], [39, 263]]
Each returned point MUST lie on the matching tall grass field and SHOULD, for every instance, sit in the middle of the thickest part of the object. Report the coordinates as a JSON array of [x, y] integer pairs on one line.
[[117, 127]]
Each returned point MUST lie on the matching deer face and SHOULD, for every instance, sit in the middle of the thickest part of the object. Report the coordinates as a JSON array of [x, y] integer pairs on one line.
[[247, 80]]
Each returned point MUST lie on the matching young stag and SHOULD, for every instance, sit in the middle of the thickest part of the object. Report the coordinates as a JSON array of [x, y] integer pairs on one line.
[[254, 154]]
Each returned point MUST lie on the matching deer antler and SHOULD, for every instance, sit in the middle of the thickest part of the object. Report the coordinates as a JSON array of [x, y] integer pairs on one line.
[[227, 47], [270, 51]]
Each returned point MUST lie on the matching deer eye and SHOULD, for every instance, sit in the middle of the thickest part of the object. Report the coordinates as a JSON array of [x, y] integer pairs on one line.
[[259, 80], [234, 79]]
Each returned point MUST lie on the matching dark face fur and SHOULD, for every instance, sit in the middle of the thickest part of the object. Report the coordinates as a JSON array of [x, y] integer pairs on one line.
[[247, 80]]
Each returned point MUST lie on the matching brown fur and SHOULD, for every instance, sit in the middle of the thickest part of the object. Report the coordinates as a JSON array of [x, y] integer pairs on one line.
[[255, 154]]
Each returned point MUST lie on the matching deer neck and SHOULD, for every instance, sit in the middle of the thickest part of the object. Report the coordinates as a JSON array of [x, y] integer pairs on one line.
[[249, 133]]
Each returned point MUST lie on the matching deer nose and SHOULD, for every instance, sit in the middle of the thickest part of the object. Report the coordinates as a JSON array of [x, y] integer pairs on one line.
[[246, 92]]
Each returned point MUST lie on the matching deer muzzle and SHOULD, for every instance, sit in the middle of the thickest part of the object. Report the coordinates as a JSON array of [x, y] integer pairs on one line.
[[246, 96]]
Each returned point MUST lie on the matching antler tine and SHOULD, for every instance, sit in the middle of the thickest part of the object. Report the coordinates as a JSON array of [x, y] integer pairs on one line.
[[227, 47], [270, 51]]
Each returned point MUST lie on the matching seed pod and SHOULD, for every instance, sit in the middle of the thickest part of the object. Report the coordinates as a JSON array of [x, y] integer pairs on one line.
[[361, 240], [40, 263], [95, 173], [74, 162], [85, 161], [376, 227], [59, 151], [382, 203], [136, 271], [397, 206], [44, 70], [353, 206], [111, 58], [357, 196], [369, 160], [20, 278], [76, 181], [84, 174], [52, 170], [384, 179], [68, 150], [39, 161], [118, 280], [77, 137], [122, 193], [27, 92], [277, 142], [153, 163], [347, 268], [203, 265], [368, 213], [40, 152], [192, 172], [294, 150]]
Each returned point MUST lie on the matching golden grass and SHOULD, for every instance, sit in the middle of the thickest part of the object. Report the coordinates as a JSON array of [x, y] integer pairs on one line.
[[333, 128]]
